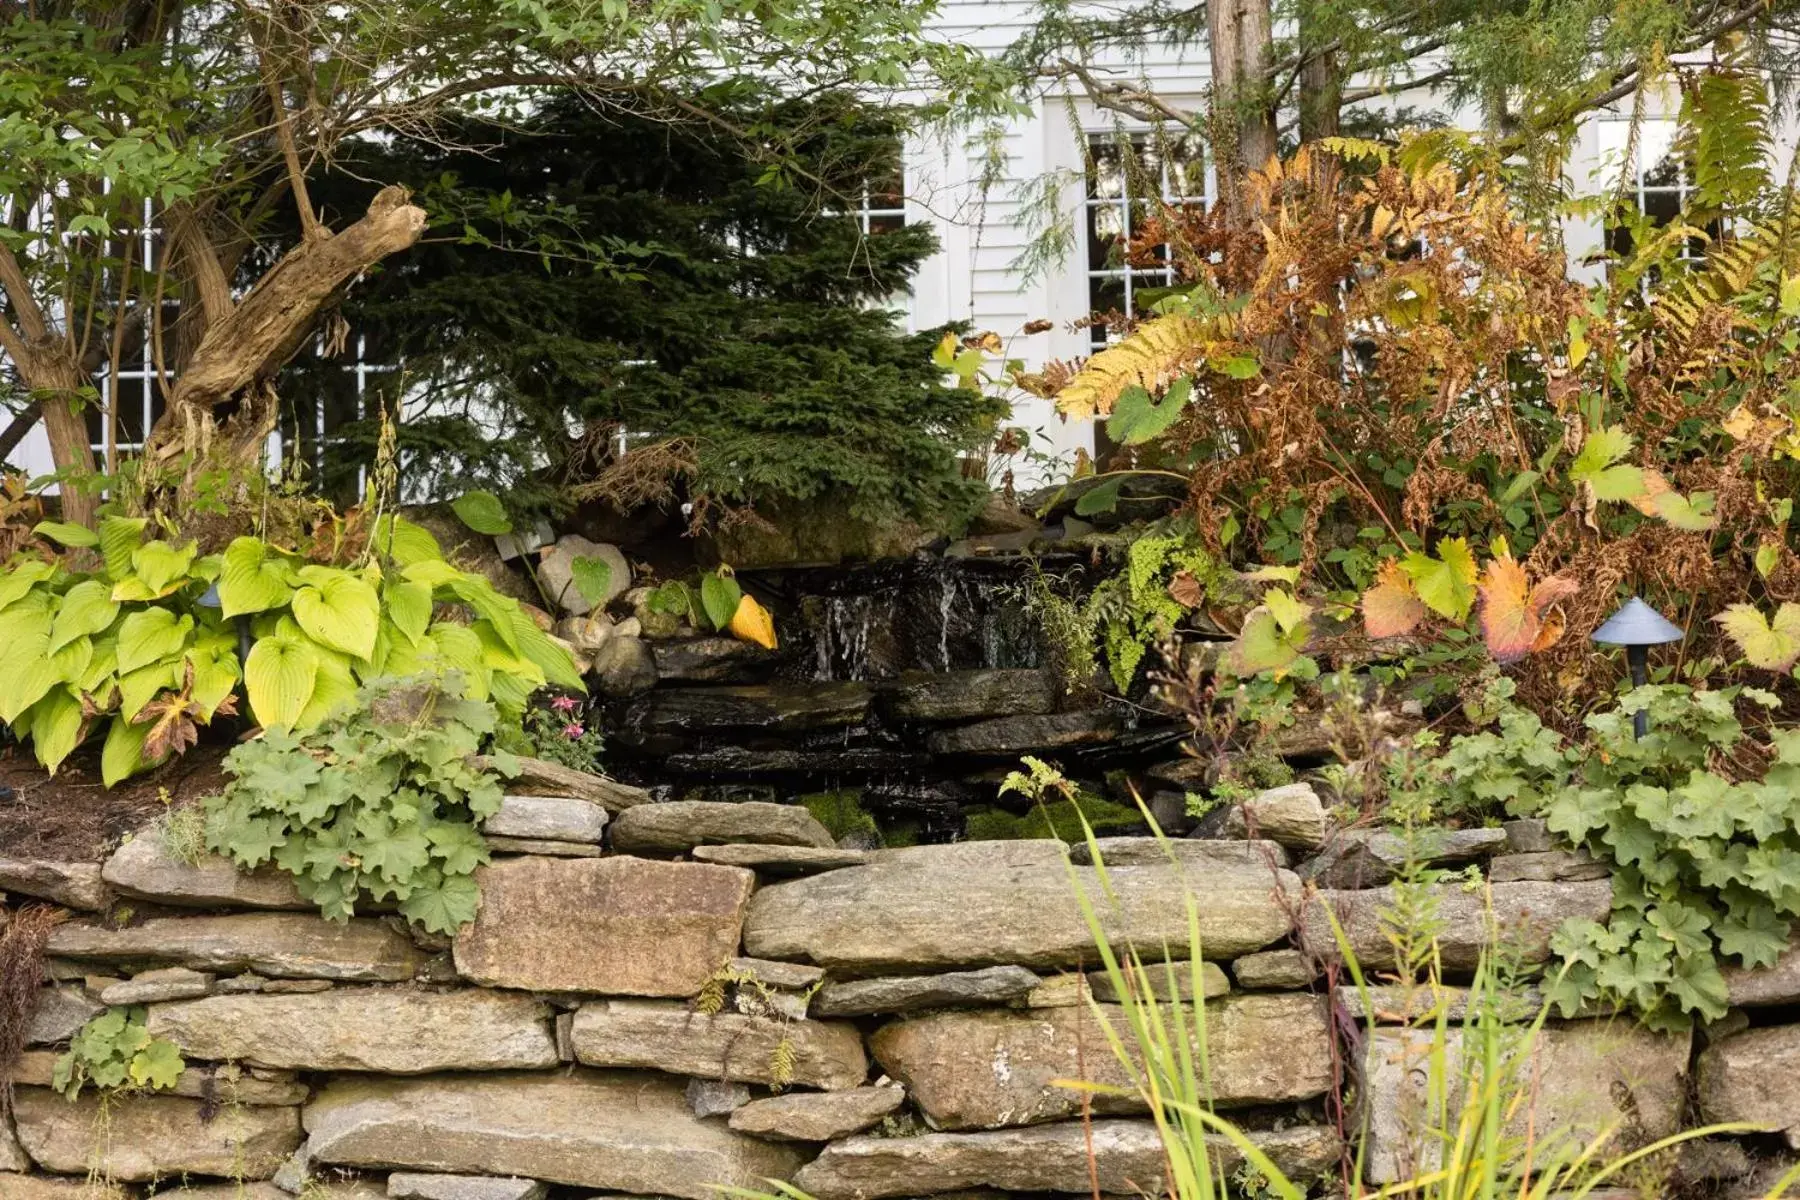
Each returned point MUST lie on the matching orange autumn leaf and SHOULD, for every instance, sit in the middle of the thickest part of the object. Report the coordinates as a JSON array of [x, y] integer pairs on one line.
[[1513, 617], [1392, 607]]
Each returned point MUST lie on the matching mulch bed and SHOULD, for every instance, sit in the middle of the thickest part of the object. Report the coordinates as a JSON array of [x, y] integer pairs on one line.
[[72, 818]]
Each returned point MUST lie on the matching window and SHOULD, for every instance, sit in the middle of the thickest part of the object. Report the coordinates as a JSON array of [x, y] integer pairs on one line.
[[882, 207], [1128, 176], [1657, 179], [321, 396]]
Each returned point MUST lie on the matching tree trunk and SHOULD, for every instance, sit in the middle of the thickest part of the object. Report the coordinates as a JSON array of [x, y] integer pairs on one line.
[[1243, 117], [1321, 98], [56, 380]]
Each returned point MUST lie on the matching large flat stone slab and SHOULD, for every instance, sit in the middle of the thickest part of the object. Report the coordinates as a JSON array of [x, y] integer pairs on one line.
[[1153, 851], [973, 695], [1365, 858], [152, 1137], [611, 926], [1525, 914], [547, 818], [911, 993], [1580, 1082], [1126, 1158], [669, 1037], [985, 1070], [61, 1010], [395, 1031], [782, 860], [221, 1083], [619, 1131], [282, 945], [945, 907], [1009, 737], [540, 778], [1754, 1077], [817, 1116], [1762, 987], [403, 1185], [679, 826], [71, 884], [144, 868], [41, 1187], [775, 707]]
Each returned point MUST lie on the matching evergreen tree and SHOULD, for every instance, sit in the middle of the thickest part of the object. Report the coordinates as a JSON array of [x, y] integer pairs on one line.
[[595, 279]]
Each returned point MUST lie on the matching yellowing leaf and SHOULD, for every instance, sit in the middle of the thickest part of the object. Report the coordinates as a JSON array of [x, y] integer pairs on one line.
[[1512, 611], [1446, 583], [1392, 607], [1771, 645], [1289, 612], [752, 623], [1693, 514], [1264, 646]]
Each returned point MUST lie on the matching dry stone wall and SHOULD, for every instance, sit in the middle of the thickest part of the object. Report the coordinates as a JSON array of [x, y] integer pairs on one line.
[[734, 1000]]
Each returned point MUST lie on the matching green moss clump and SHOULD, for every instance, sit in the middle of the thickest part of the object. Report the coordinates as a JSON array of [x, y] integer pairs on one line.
[[1056, 819], [841, 813]]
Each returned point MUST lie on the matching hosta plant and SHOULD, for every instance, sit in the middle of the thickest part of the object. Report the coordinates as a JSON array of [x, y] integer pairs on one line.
[[137, 634], [381, 802]]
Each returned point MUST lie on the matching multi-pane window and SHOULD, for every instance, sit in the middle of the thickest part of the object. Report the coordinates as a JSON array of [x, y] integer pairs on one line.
[[322, 396], [1129, 177], [882, 204], [1656, 179]]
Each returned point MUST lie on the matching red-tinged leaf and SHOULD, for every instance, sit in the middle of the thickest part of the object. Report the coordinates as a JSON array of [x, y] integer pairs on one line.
[[1392, 607], [1186, 590], [1512, 611]]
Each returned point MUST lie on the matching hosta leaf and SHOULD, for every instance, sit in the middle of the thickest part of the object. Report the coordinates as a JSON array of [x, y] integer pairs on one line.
[[1446, 583], [151, 634], [161, 566], [1392, 607], [18, 582], [482, 512], [123, 754], [592, 578], [459, 649], [119, 537], [280, 676], [407, 606], [71, 662], [719, 596], [253, 578], [1771, 645], [66, 533], [339, 611], [1136, 418], [25, 662], [137, 688], [752, 623], [57, 724], [87, 608], [405, 543], [544, 653], [334, 690], [498, 610]]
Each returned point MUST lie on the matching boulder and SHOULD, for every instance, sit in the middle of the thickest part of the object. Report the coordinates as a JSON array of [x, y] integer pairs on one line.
[[973, 695], [60, 1011], [710, 660], [984, 1070], [150, 987], [556, 573], [396, 1031], [1009, 737], [1151, 851], [585, 634], [553, 818], [619, 1131], [947, 907], [152, 1137], [1360, 858], [1153, 982], [1525, 914], [774, 707], [403, 1185], [680, 825], [672, 1038], [71, 884], [616, 926], [782, 860], [1291, 814], [1547, 866], [1580, 1081], [540, 778], [817, 1116], [283, 945], [910, 993], [1274, 970], [144, 868], [1761, 987], [624, 667], [227, 1083], [1754, 1077], [1125, 1158]]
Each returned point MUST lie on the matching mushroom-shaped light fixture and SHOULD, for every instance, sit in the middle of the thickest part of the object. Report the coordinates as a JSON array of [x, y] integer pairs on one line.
[[1637, 627]]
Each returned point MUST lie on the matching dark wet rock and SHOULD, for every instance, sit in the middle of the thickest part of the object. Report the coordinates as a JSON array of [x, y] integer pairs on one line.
[[711, 660], [624, 667], [973, 695], [784, 708], [1009, 737], [783, 760]]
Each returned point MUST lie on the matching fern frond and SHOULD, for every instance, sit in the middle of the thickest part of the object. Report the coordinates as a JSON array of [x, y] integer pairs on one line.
[[1152, 356]]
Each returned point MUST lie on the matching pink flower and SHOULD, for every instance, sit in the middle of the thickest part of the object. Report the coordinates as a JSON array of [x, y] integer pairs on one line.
[[565, 704], [573, 731]]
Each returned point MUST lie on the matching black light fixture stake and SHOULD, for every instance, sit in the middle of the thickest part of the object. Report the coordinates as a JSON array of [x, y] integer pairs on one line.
[[1637, 627]]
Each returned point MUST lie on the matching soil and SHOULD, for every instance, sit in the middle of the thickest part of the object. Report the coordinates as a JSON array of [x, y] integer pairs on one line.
[[72, 818]]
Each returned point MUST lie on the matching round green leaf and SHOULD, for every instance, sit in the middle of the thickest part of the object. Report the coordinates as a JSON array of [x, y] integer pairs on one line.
[[482, 512], [592, 577], [87, 608], [339, 611], [280, 676], [252, 579]]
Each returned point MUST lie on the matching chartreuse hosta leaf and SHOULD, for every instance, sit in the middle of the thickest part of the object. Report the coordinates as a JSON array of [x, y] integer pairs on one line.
[[66, 533], [338, 610], [151, 634], [119, 538], [25, 663], [87, 608], [253, 578], [280, 676]]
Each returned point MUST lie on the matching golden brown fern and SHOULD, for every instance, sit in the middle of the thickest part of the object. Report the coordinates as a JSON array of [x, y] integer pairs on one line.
[[1151, 357]]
